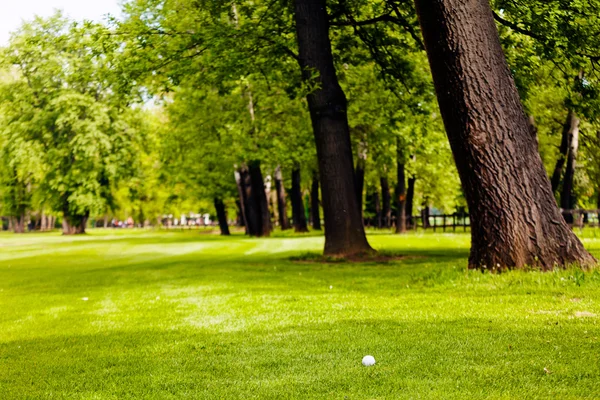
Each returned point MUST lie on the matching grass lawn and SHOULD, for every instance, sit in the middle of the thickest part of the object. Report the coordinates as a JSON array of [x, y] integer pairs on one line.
[[185, 315]]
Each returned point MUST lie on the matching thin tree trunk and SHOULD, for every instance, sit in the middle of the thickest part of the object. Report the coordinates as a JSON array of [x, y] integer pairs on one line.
[[260, 198], [241, 203], [284, 222], [378, 214], [571, 123], [314, 203], [221, 216], [515, 221], [298, 212], [359, 176], [386, 202], [566, 199], [410, 197], [400, 190], [344, 231]]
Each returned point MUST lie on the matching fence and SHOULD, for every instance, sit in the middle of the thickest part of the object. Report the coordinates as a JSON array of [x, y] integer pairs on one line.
[[461, 221]]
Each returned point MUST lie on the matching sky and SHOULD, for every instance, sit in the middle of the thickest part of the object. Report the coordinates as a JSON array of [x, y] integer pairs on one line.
[[13, 12]]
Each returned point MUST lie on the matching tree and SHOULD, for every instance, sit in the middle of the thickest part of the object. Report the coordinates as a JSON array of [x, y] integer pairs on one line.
[[344, 231], [515, 220]]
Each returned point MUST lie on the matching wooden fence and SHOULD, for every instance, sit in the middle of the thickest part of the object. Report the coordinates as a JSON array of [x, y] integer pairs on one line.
[[461, 221]]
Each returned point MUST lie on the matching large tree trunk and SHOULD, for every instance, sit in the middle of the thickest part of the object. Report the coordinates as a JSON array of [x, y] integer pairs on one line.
[[284, 222], [566, 199], [298, 212], [410, 198], [18, 223], [400, 190], [314, 203], [515, 221], [571, 124], [74, 224], [386, 202], [221, 216], [344, 231]]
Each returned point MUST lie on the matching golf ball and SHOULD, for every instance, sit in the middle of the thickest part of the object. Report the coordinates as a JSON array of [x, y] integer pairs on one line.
[[367, 361]]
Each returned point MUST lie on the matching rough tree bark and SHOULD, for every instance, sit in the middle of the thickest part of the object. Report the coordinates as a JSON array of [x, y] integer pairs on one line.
[[298, 212], [221, 216], [251, 208], [386, 202], [284, 221], [571, 124], [344, 231], [566, 197], [514, 217], [314, 202]]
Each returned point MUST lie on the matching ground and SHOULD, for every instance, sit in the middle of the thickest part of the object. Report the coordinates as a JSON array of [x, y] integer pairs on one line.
[[187, 315]]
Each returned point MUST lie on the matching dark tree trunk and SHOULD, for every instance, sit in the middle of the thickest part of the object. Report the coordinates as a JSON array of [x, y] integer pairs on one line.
[[298, 212], [240, 214], [259, 199], [566, 198], [240, 179], [410, 198], [515, 221], [386, 203], [284, 222], [74, 224], [221, 216], [400, 190], [571, 124], [344, 231], [314, 203], [251, 206]]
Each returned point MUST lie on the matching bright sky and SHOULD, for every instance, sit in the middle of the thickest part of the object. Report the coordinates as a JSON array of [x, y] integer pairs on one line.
[[13, 12]]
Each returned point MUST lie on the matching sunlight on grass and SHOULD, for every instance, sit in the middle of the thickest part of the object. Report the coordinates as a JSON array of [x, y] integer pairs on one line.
[[175, 315]]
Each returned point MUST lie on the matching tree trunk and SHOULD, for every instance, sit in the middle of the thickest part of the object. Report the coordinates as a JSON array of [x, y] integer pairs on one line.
[[378, 215], [571, 124], [221, 216], [240, 176], [386, 202], [74, 224], [344, 231], [314, 203], [410, 197], [260, 198], [251, 207], [515, 221], [298, 213], [566, 198], [18, 223], [359, 176], [284, 222], [400, 190]]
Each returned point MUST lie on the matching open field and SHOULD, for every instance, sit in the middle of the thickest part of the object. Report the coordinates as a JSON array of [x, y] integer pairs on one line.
[[182, 315]]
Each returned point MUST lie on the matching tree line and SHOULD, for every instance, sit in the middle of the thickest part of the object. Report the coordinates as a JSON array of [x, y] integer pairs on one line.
[[370, 107]]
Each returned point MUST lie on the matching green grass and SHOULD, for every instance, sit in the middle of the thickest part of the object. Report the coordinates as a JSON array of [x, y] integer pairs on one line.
[[185, 315]]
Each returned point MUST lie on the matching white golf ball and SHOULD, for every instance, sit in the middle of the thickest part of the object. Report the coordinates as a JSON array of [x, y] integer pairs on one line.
[[367, 361]]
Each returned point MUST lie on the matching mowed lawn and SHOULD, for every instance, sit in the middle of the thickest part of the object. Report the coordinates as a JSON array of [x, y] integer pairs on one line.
[[187, 315]]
